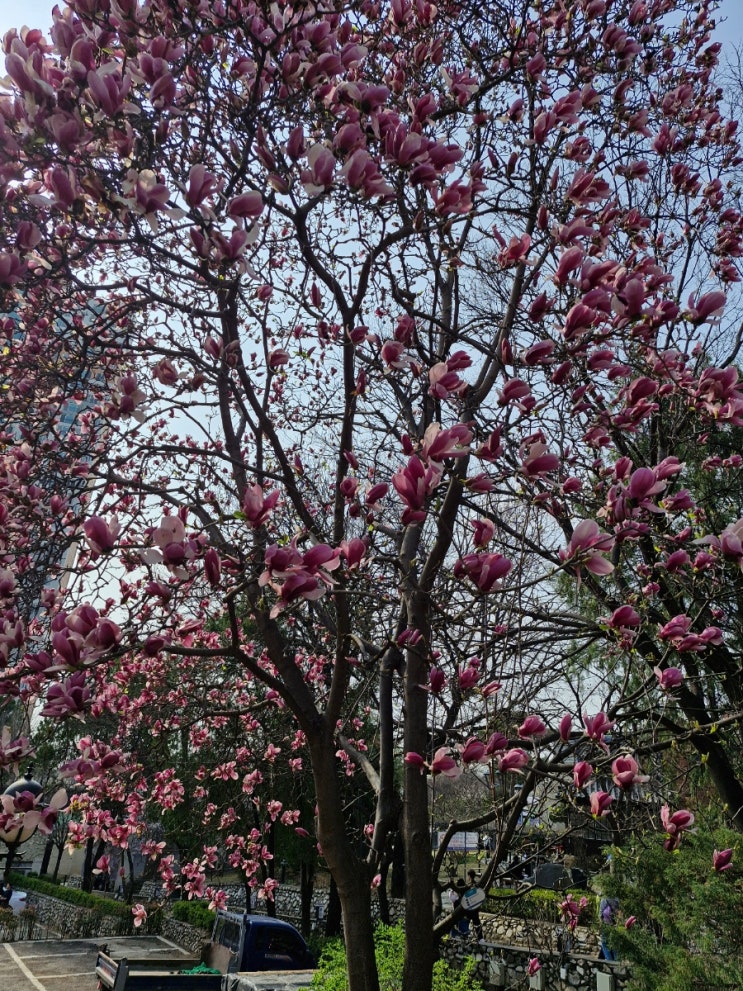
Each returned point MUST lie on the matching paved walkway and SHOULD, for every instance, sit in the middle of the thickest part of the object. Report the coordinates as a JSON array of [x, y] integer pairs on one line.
[[69, 965]]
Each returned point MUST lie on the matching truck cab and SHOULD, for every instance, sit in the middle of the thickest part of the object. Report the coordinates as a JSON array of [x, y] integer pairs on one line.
[[258, 942]]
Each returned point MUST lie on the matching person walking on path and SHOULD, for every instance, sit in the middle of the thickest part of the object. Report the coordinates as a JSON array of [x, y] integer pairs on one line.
[[608, 915], [474, 914]]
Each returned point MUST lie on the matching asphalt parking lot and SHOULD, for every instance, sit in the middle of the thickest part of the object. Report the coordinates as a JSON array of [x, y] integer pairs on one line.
[[69, 965]]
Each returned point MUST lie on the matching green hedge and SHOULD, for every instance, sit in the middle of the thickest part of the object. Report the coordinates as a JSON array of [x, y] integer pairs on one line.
[[194, 913], [539, 904], [96, 905]]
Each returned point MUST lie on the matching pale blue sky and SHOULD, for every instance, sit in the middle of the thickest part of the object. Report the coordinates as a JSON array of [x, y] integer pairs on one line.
[[36, 13]]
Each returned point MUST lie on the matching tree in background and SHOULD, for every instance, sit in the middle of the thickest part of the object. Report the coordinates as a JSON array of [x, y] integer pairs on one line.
[[389, 315], [681, 910]]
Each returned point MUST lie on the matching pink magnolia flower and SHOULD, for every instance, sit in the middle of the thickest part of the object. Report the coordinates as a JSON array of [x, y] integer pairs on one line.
[[212, 566], [586, 547], [101, 536], [630, 921], [70, 697], [409, 638], [625, 773], [538, 353], [675, 628], [319, 175], [484, 531], [376, 880], [533, 967], [472, 751], [566, 725], [570, 260], [165, 372], [445, 382], [102, 865], [496, 743], [277, 358], [436, 681], [532, 726], [452, 442], [600, 803], [514, 391], [217, 899], [414, 484], [515, 252], [513, 760], [571, 909], [675, 825], [468, 674], [709, 306], [444, 763], [668, 678], [730, 542], [597, 726], [257, 506], [581, 773], [623, 617], [537, 460], [268, 887], [140, 915], [152, 849], [722, 860], [246, 205], [375, 494], [484, 569], [353, 551], [200, 185]]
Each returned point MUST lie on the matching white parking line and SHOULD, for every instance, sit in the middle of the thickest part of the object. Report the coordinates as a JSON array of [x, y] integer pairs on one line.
[[57, 977], [48, 956], [24, 969]]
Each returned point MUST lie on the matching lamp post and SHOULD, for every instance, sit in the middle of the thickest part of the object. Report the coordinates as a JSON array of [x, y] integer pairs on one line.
[[13, 836]]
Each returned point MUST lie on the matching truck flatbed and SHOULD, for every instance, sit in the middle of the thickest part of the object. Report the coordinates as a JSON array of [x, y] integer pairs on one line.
[[152, 975]]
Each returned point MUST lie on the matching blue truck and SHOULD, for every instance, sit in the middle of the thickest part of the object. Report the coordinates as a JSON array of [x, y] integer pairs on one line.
[[240, 943]]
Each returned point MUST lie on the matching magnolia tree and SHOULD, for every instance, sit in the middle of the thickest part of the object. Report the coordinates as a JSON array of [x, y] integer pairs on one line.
[[339, 340]]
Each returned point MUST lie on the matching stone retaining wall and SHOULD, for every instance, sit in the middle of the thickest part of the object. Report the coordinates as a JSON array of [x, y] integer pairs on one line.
[[499, 963], [500, 966], [75, 921], [287, 897], [189, 937]]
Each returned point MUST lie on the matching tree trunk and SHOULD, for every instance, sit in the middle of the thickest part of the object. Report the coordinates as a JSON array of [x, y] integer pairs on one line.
[[12, 847], [350, 874], [306, 889], [384, 904], [419, 951], [129, 886], [87, 878], [397, 874], [48, 848], [723, 777], [334, 916], [60, 851]]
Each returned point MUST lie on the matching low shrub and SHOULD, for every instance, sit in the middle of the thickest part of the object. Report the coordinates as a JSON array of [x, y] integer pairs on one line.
[[389, 943], [194, 914], [539, 904]]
